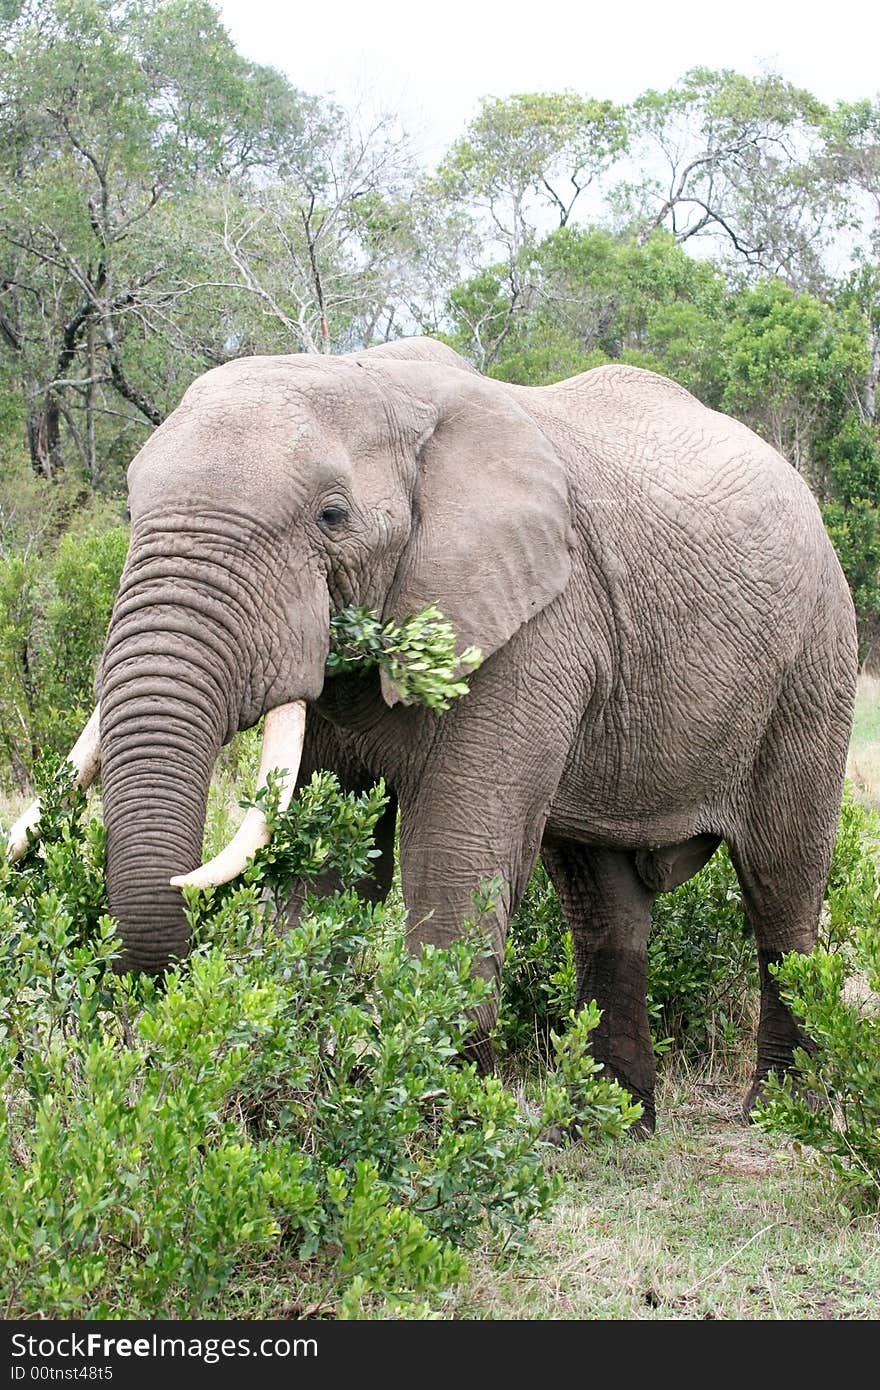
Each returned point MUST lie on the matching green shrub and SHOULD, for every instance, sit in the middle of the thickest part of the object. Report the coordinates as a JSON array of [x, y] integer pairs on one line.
[[54, 613], [599, 1107], [84, 580], [538, 988], [831, 1101], [19, 606], [702, 966], [851, 510], [285, 1101], [852, 899]]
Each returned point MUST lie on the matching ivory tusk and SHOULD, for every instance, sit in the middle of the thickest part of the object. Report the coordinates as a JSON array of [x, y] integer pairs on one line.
[[86, 758], [283, 735]]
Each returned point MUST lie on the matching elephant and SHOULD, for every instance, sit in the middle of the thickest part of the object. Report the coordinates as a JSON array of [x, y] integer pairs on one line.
[[668, 642]]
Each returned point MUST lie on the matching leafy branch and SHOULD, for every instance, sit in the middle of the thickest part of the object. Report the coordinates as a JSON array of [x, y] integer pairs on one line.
[[418, 655]]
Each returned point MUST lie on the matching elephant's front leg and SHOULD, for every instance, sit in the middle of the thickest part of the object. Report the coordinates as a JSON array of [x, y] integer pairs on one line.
[[451, 843]]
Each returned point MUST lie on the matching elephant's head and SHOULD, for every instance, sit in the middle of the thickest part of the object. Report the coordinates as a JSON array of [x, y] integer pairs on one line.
[[280, 489]]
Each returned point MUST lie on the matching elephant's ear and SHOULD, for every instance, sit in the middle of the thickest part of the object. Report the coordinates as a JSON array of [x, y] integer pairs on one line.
[[492, 533]]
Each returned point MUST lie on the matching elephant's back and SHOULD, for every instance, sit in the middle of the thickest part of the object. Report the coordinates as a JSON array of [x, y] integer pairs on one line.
[[634, 422], [641, 445]]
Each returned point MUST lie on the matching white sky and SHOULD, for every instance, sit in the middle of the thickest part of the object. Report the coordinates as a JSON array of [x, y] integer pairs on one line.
[[431, 60]]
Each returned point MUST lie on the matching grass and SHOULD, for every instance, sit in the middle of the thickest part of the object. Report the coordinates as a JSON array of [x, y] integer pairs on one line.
[[709, 1219], [863, 766]]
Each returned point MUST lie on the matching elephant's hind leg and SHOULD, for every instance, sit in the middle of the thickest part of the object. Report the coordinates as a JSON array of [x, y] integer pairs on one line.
[[781, 851], [607, 906], [782, 898]]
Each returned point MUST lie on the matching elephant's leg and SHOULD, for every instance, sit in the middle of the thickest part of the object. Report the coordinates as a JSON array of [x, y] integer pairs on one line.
[[782, 900], [782, 876], [444, 860], [608, 908], [781, 850]]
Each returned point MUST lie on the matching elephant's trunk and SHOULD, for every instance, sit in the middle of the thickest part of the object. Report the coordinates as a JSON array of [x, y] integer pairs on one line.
[[197, 648], [161, 730], [157, 765], [172, 689]]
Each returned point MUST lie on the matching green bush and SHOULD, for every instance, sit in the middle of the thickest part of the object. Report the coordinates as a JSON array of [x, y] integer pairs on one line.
[[84, 580], [831, 1101], [851, 510], [538, 988], [284, 1102], [852, 899], [702, 966], [19, 605], [54, 613]]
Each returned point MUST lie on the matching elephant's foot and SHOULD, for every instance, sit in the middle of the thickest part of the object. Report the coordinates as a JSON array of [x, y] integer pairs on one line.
[[641, 1091], [642, 1128], [756, 1092], [639, 1084], [646, 1124], [560, 1136], [753, 1095], [622, 1042], [780, 1036], [480, 1050]]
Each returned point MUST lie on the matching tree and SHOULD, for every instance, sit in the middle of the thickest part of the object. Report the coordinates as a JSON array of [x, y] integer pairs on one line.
[[524, 160], [326, 251], [600, 297], [852, 144], [740, 162], [550, 145], [109, 108], [851, 511], [793, 367], [852, 150]]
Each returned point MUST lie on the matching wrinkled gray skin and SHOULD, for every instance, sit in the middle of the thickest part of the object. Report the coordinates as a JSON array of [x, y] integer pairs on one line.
[[669, 643]]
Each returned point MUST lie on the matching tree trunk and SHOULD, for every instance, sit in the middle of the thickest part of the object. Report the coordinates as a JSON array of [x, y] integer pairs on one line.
[[44, 437], [869, 393]]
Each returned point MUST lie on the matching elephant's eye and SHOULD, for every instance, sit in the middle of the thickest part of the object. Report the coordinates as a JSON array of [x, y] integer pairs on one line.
[[331, 518]]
